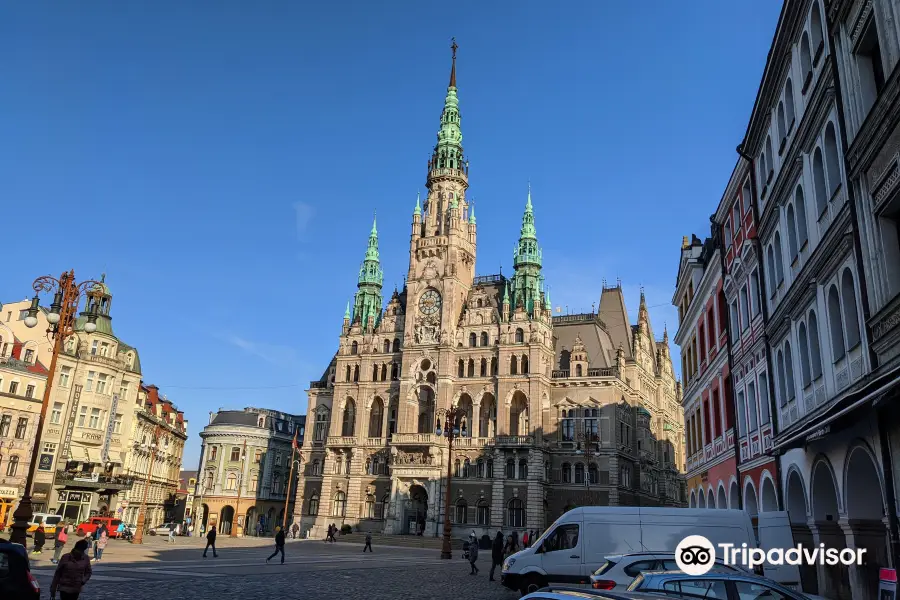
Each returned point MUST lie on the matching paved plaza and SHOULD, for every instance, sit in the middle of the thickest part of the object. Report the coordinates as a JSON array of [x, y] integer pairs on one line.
[[313, 569]]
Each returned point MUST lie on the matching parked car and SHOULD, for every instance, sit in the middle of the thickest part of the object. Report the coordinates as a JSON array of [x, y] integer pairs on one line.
[[163, 529], [16, 580], [570, 593], [715, 584], [619, 571], [48, 520], [91, 525]]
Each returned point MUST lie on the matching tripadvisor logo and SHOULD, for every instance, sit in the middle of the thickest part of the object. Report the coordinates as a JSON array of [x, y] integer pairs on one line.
[[696, 555]]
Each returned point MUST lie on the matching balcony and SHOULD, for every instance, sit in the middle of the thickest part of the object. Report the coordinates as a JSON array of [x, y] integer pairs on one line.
[[514, 441], [472, 442], [566, 373], [374, 442], [418, 439], [108, 361], [340, 440], [93, 481]]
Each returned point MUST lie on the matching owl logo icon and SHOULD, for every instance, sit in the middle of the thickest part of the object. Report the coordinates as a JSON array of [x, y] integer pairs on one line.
[[695, 555]]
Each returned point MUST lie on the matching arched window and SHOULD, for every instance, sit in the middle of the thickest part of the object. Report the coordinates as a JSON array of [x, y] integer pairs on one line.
[[489, 469], [515, 513], [315, 468], [382, 507], [789, 372], [520, 336], [462, 511], [513, 366], [805, 61], [793, 248], [815, 348], [579, 473], [510, 469], [467, 468], [348, 374], [354, 348], [461, 368], [313, 506], [479, 468], [779, 258], [339, 505], [384, 372], [349, 419], [566, 473], [578, 371], [483, 370], [483, 513], [804, 355], [494, 366], [374, 372], [457, 470], [789, 103], [356, 373], [254, 482], [770, 257], [230, 481], [851, 314], [524, 364], [763, 171], [13, 466], [751, 406], [782, 124], [800, 202], [593, 474], [376, 418], [396, 345], [782, 387], [741, 413], [471, 370], [473, 340], [387, 346], [523, 469], [819, 182], [771, 156], [815, 29], [484, 338], [369, 508], [832, 163], [834, 324]]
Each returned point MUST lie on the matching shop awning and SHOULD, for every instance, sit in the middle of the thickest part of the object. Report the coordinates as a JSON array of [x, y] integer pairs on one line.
[[873, 392], [78, 454]]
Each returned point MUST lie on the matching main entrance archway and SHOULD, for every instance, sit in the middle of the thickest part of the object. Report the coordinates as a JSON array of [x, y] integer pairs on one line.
[[865, 514], [227, 519], [416, 511]]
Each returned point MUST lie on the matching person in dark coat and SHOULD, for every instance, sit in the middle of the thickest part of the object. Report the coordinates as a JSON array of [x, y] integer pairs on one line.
[[496, 554], [473, 553], [279, 545], [368, 545], [40, 538], [211, 541], [72, 572]]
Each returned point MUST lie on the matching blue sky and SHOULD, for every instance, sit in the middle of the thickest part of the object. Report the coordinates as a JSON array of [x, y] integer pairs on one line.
[[210, 158]]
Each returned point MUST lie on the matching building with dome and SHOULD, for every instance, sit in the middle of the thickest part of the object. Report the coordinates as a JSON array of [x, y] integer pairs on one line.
[[557, 411]]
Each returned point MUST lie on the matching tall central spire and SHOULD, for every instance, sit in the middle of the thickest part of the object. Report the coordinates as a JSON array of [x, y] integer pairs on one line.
[[367, 303], [447, 159], [527, 258], [453, 47]]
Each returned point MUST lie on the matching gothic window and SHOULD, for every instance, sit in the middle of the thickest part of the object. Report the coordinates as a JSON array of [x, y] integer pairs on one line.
[[851, 313], [369, 511], [483, 371], [456, 468], [374, 372], [819, 183], [789, 103], [577, 370], [376, 418], [489, 469], [473, 340], [356, 373], [471, 370], [800, 203], [383, 372], [524, 364], [832, 162], [815, 350], [354, 348], [579, 473], [566, 473], [793, 248], [462, 510], [515, 513], [789, 371], [461, 368], [779, 258], [395, 373], [479, 468], [520, 336], [339, 505], [396, 346], [313, 507], [392, 419], [513, 366], [494, 366], [484, 338], [483, 513], [348, 374], [567, 426], [387, 346], [782, 125], [510, 469], [349, 417], [523, 469]]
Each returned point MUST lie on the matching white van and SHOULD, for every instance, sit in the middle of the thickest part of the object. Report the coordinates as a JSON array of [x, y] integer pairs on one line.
[[577, 543]]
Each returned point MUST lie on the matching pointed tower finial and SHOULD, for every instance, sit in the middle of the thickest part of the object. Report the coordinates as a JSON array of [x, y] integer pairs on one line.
[[453, 47], [347, 312], [418, 209], [472, 213], [665, 332], [374, 222]]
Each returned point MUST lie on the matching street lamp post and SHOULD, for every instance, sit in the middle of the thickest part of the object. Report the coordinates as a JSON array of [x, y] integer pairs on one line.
[[450, 431], [240, 482], [61, 317], [139, 534]]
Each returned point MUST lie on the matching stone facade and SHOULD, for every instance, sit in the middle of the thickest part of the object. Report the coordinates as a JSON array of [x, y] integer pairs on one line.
[[245, 464], [556, 411]]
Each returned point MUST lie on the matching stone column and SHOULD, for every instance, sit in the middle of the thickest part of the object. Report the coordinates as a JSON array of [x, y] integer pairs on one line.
[[497, 491], [392, 516]]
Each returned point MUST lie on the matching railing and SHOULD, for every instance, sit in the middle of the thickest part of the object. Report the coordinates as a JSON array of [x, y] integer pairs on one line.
[[374, 442], [472, 442], [341, 440], [318, 385], [515, 440], [482, 279], [599, 372], [95, 481], [448, 173], [414, 438]]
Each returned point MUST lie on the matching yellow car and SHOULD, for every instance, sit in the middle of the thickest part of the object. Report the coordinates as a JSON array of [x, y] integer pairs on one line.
[[49, 521]]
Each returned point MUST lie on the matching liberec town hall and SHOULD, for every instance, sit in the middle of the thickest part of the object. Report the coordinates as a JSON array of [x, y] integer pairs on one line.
[[556, 411]]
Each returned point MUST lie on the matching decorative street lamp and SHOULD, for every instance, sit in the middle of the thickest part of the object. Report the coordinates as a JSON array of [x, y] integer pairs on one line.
[[152, 446], [295, 464], [450, 431], [240, 482], [61, 318]]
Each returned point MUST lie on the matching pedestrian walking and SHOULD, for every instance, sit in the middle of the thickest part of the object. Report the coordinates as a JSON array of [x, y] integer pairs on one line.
[[525, 539], [172, 532], [515, 541], [296, 530], [40, 538], [101, 543], [95, 537], [496, 553], [211, 541], [60, 542], [368, 545], [279, 545], [120, 530], [72, 573], [473, 553]]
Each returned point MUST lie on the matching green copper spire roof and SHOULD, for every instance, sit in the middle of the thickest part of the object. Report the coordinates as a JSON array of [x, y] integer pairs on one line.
[[347, 312], [448, 152], [527, 282], [472, 214], [527, 251], [418, 210], [367, 301]]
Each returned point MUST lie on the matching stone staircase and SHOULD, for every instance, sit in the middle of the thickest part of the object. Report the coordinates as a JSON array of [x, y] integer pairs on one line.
[[402, 541]]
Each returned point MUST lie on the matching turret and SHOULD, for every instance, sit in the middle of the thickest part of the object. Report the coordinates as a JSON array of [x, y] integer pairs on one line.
[[527, 259], [367, 304]]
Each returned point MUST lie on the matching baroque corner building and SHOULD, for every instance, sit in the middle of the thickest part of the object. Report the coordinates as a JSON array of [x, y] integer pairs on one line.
[[557, 411]]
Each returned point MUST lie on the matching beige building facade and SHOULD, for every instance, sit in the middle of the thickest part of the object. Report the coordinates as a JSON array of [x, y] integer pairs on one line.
[[91, 414], [557, 411]]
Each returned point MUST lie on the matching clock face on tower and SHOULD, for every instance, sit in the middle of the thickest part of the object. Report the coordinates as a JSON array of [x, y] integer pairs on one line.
[[430, 302]]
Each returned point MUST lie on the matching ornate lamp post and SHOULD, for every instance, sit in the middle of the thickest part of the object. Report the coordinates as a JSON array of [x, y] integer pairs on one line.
[[152, 446], [240, 482], [450, 431], [61, 317]]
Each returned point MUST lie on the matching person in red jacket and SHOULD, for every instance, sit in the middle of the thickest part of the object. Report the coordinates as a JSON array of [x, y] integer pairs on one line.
[[72, 572]]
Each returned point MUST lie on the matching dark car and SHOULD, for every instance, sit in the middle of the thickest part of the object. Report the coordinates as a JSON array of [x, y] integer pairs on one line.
[[16, 580]]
